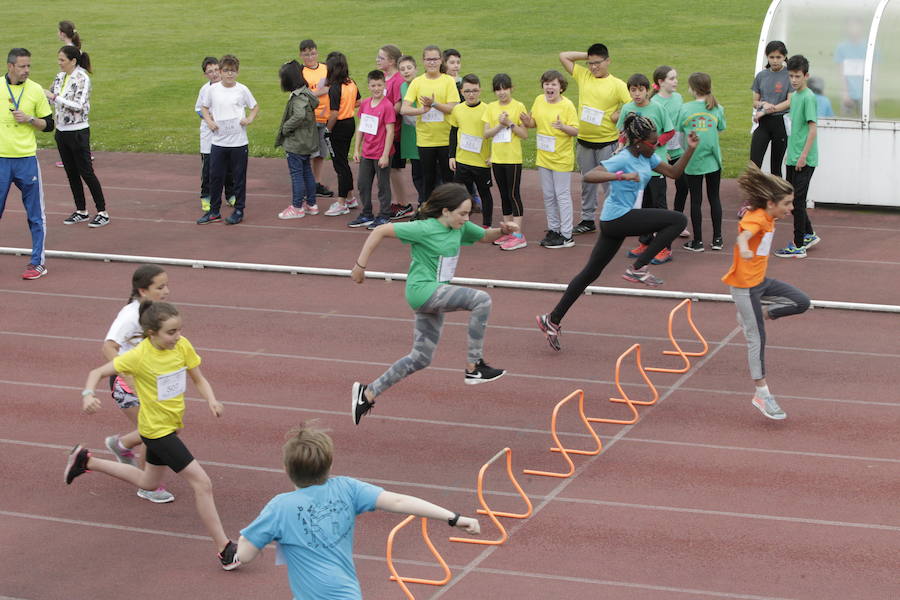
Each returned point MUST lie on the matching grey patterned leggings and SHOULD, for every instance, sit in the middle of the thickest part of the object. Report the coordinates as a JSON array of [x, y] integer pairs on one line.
[[427, 332]]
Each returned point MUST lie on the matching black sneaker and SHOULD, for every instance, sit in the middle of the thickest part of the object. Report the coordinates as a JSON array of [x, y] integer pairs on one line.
[[235, 217], [99, 220], [77, 463], [323, 191], [584, 227], [402, 211], [694, 246], [560, 242], [76, 217], [551, 235], [228, 557], [482, 373], [209, 217], [717, 244], [550, 329], [360, 405]]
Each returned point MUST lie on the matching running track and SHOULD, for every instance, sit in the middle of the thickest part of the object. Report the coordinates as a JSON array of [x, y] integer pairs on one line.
[[703, 498]]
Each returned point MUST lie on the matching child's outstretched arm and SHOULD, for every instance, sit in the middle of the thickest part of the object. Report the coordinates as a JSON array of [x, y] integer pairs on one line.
[[494, 233], [675, 171], [358, 274], [410, 505], [206, 391], [89, 402]]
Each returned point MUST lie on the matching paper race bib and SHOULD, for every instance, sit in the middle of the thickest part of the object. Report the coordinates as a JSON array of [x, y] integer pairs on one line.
[[787, 123], [547, 143], [368, 124], [854, 67], [504, 136], [171, 385], [433, 116], [470, 143], [229, 127], [409, 120], [765, 244], [447, 267], [675, 142], [594, 116], [640, 199]]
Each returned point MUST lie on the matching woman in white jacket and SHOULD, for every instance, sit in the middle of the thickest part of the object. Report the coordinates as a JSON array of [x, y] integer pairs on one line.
[[71, 94]]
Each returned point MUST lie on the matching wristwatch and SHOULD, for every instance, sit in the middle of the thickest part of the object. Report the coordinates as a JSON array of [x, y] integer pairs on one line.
[[452, 520]]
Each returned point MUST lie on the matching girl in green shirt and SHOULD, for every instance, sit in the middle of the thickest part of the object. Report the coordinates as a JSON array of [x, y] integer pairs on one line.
[[435, 238]]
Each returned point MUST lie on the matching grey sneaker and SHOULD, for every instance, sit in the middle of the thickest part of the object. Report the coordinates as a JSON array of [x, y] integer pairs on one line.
[[124, 456], [158, 496], [769, 407], [642, 275]]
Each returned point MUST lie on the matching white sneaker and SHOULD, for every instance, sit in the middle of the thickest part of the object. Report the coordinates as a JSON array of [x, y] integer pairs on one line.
[[292, 212], [353, 202], [337, 209], [769, 407], [158, 496]]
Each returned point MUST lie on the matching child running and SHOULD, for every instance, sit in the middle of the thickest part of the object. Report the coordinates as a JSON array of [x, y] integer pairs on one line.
[[504, 127], [435, 238], [705, 117], [556, 121], [628, 173], [314, 524], [665, 82], [299, 137], [159, 365], [768, 198], [148, 283]]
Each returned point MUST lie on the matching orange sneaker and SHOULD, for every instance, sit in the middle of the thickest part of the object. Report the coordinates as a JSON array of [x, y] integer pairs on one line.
[[635, 252], [664, 256]]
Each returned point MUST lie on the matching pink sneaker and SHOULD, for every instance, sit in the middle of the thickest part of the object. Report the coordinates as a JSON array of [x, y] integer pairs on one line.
[[499, 241], [312, 209], [59, 164], [292, 212], [353, 202], [514, 243]]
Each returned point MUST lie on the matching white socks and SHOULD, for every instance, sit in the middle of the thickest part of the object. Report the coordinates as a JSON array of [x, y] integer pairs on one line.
[[763, 391]]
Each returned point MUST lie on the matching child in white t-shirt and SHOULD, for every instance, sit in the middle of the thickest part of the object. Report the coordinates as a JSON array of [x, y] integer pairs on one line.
[[210, 67], [228, 100]]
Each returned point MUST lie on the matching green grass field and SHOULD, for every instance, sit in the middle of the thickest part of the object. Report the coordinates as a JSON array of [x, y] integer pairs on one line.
[[146, 55]]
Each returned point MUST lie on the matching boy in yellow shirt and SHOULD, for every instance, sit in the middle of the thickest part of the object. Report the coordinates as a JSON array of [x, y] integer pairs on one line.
[[470, 153]]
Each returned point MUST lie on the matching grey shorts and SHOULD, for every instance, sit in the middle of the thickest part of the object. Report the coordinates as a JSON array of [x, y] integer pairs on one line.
[[323, 147], [122, 394]]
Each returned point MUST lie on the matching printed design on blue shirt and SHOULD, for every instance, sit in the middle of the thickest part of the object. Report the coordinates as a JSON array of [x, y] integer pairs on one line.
[[326, 525]]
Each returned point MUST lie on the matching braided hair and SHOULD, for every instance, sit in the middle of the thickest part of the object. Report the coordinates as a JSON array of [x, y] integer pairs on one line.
[[638, 127]]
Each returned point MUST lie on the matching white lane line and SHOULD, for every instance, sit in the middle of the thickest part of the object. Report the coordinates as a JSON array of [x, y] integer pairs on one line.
[[557, 491], [330, 314]]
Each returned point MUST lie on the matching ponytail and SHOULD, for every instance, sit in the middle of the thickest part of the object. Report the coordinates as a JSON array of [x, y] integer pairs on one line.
[[68, 29], [153, 314], [659, 74], [701, 83], [81, 58]]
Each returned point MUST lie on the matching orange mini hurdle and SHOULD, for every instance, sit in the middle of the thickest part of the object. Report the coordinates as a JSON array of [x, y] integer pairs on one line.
[[559, 446], [402, 581], [636, 349], [493, 514], [678, 351]]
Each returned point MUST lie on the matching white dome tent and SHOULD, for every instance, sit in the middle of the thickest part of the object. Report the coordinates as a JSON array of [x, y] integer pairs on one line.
[[859, 147]]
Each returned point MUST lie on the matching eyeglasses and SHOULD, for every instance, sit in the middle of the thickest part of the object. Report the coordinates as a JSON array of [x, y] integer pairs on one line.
[[596, 63]]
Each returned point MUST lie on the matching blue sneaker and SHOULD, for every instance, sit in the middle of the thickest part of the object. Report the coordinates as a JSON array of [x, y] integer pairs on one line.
[[361, 221], [791, 251], [378, 221], [810, 240]]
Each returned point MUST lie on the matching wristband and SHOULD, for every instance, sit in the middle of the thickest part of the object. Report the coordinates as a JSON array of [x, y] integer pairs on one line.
[[619, 175], [453, 520], [360, 266], [85, 393]]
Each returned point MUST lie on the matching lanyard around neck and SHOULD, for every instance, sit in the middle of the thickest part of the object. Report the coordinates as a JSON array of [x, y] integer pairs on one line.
[[15, 101]]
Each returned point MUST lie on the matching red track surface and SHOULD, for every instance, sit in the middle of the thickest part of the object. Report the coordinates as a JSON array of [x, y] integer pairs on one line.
[[702, 498]]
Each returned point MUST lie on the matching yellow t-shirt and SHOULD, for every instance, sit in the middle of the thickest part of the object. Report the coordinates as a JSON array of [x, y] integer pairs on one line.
[[17, 139], [502, 152], [562, 156], [159, 374], [312, 77], [746, 273], [607, 94], [470, 134], [432, 128]]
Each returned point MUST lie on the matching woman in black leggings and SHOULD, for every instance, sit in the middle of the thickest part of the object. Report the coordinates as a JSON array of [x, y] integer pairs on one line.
[[627, 172]]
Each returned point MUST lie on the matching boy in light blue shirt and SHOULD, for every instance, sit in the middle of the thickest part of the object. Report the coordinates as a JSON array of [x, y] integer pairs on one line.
[[314, 524]]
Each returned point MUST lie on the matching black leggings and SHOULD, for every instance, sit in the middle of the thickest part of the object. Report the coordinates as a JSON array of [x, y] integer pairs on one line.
[[75, 154], [695, 186], [341, 136], [435, 167], [508, 178], [771, 129], [667, 224], [681, 190]]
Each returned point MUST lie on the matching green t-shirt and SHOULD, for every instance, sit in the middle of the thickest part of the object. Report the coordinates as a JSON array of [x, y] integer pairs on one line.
[[17, 140], [672, 106], [660, 118], [707, 124], [435, 252], [804, 110], [408, 147]]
